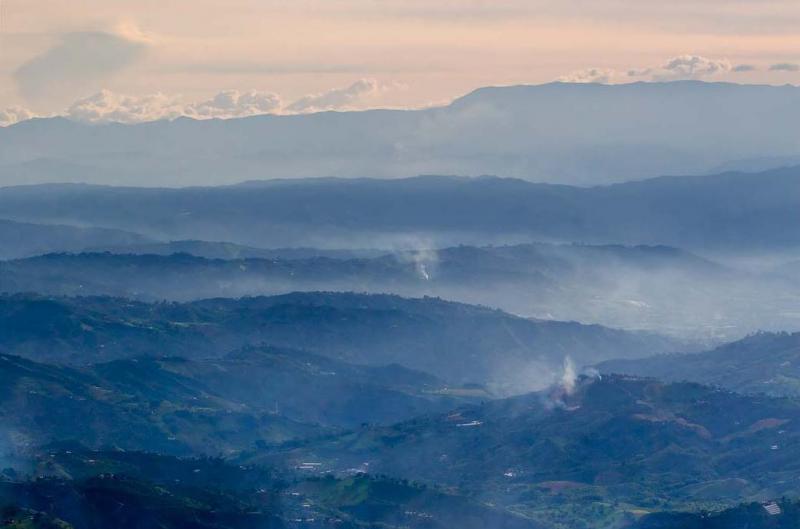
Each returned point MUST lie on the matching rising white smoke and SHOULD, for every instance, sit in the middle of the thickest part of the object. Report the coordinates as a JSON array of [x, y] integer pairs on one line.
[[569, 377], [420, 253]]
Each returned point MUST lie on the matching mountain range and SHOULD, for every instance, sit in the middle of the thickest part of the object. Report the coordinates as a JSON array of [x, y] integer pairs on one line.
[[83, 489], [574, 451], [655, 288], [590, 452], [558, 133], [741, 212], [762, 363], [594, 326], [540, 268], [177, 406], [21, 239], [456, 342]]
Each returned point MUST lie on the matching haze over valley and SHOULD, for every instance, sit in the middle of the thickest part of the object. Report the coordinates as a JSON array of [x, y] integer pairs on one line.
[[683, 256], [399, 265]]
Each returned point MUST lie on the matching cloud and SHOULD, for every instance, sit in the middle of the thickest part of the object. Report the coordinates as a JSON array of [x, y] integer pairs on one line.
[[78, 61], [741, 68], [336, 99], [643, 72], [684, 67], [106, 106], [693, 67], [785, 67], [232, 103], [591, 75], [13, 115], [676, 68]]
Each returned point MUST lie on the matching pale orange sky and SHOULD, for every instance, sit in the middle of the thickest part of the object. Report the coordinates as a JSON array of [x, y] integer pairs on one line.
[[414, 52]]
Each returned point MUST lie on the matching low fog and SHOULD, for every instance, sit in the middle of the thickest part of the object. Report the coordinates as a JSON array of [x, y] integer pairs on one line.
[[653, 288]]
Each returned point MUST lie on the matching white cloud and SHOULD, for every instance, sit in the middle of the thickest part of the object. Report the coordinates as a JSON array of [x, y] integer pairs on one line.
[[12, 115], [232, 103], [590, 75], [338, 98], [691, 67], [78, 61], [106, 106], [676, 68], [743, 68]]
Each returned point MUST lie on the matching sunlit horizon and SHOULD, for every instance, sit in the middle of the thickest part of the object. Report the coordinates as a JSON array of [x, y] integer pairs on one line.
[[410, 54]]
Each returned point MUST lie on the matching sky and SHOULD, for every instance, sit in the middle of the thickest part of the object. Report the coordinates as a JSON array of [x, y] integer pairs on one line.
[[134, 60]]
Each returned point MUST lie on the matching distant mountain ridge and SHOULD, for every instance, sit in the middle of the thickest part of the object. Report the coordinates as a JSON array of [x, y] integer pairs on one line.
[[762, 363], [725, 211], [558, 132], [456, 342], [657, 288], [154, 272], [21, 239], [226, 250]]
